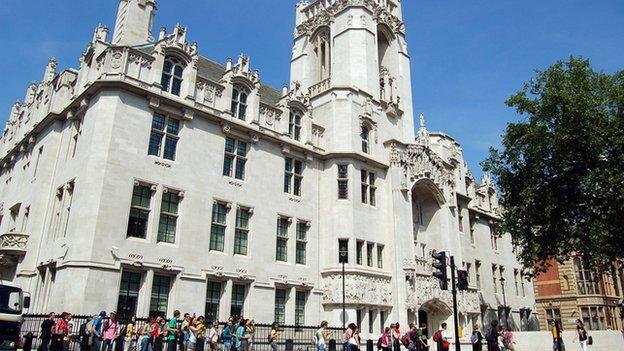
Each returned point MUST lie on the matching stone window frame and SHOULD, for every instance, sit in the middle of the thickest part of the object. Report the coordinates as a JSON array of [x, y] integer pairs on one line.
[[240, 102], [292, 177], [210, 298], [160, 294], [301, 241], [236, 293], [171, 79], [152, 190], [294, 124], [240, 230], [368, 188], [279, 311], [282, 236], [235, 156], [300, 308], [165, 136], [343, 181], [214, 244], [380, 249], [168, 192]]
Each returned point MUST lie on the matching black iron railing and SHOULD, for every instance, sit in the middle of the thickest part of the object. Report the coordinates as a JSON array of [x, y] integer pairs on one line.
[[291, 337]]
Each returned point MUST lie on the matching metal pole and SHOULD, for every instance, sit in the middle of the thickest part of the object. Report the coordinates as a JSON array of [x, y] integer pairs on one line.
[[344, 315], [455, 314], [502, 280]]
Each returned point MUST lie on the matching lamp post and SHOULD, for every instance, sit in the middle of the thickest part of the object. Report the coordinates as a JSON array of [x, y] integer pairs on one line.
[[502, 280], [343, 258]]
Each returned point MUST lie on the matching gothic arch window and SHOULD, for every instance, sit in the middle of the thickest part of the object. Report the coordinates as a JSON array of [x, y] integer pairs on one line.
[[385, 37], [322, 53], [294, 124], [171, 80], [365, 137], [239, 102]]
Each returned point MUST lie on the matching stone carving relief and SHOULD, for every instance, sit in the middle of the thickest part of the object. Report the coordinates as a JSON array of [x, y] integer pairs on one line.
[[420, 162], [359, 289], [326, 15], [13, 241], [270, 114], [207, 92]]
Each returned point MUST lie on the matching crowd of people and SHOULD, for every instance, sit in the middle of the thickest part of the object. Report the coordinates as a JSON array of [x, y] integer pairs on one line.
[[193, 333], [107, 333]]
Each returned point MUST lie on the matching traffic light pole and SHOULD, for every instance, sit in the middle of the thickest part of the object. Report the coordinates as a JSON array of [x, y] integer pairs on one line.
[[455, 315]]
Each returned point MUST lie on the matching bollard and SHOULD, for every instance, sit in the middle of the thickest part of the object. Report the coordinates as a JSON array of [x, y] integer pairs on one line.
[[290, 345], [369, 345], [332, 345], [28, 340]]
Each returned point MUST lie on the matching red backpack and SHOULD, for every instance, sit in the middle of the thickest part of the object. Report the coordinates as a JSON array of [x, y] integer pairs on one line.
[[405, 339], [437, 337]]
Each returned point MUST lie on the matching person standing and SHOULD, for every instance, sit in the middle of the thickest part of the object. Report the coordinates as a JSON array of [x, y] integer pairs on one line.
[[145, 335], [476, 339], [581, 335], [442, 338], [158, 334], [242, 339], [46, 332], [201, 334], [213, 336], [96, 331], [424, 337], [385, 341], [321, 337], [508, 340], [171, 331], [61, 332], [251, 333], [227, 333], [396, 337], [274, 335], [130, 334], [110, 331], [492, 337]]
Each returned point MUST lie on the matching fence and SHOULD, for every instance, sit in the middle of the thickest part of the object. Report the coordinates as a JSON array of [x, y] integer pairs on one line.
[[301, 336]]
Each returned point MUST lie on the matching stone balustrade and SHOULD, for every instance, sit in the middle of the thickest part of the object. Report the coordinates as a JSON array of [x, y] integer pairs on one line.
[[320, 87]]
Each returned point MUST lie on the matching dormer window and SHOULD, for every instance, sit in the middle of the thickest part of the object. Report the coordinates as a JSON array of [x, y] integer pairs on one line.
[[239, 102], [171, 80], [294, 125], [365, 136]]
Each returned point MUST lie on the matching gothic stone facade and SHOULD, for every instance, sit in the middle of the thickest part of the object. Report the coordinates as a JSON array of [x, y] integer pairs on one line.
[[152, 178]]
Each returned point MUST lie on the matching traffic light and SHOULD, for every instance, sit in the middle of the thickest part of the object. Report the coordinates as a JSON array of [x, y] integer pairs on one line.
[[439, 265], [462, 280]]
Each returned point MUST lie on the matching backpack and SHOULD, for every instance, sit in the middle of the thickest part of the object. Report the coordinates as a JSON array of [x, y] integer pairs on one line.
[[405, 339], [437, 337], [315, 339], [474, 338], [379, 343]]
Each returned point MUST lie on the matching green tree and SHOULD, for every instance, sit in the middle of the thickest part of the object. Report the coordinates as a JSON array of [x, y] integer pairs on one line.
[[561, 167]]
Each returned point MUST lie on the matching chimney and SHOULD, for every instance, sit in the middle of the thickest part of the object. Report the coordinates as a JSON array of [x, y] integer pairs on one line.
[[133, 25]]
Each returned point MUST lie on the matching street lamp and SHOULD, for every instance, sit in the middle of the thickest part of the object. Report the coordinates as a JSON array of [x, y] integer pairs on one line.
[[502, 280]]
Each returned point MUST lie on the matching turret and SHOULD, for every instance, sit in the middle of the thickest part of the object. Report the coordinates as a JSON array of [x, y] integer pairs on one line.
[[134, 22]]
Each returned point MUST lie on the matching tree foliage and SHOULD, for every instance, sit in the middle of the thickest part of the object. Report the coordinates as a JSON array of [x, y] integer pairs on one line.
[[561, 168]]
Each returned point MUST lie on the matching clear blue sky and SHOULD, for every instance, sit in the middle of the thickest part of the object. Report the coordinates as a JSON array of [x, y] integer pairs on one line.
[[467, 56]]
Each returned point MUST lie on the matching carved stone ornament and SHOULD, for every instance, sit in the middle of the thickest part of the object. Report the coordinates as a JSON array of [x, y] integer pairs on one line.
[[326, 15], [116, 59], [13, 241], [359, 289], [420, 162]]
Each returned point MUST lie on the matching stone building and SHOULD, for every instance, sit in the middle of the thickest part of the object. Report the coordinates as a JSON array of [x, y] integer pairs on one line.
[[152, 178], [571, 291]]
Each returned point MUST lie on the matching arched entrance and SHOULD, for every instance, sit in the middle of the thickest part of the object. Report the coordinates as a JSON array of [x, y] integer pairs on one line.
[[433, 313]]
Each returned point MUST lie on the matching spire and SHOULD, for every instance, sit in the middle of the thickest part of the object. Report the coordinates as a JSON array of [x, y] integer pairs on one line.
[[133, 25]]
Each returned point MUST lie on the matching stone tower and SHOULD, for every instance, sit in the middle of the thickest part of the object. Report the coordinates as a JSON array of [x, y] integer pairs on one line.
[[351, 56], [133, 25]]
